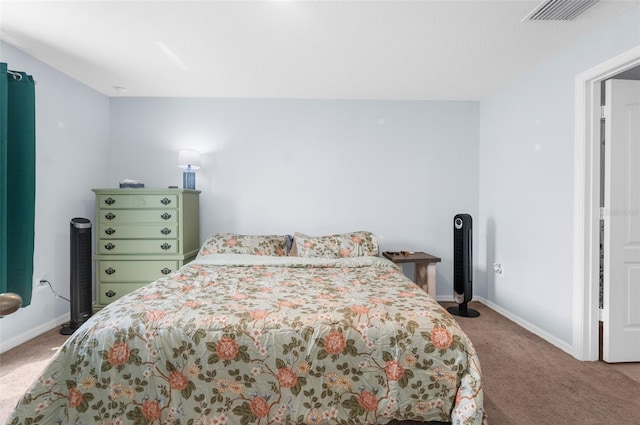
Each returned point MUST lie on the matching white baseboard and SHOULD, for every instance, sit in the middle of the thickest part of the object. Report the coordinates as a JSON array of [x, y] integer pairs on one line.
[[32, 333], [567, 348]]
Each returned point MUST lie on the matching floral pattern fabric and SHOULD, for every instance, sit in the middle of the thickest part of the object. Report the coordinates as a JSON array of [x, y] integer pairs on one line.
[[242, 339], [345, 245], [230, 243]]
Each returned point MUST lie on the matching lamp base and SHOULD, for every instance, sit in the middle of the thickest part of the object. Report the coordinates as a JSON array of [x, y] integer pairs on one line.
[[189, 180]]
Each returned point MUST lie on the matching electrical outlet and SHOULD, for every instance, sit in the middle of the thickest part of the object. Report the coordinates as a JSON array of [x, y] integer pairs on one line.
[[38, 284], [497, 267]]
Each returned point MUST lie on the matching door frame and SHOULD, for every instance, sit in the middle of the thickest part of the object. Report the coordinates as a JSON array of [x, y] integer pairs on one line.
[[586, 200]]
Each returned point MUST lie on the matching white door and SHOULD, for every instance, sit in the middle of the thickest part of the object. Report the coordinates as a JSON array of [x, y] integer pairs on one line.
[[621, 309]]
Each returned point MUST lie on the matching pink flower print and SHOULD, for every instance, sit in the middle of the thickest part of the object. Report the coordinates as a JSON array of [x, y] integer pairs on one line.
[[259, 314], [360, 309], [177, 380], [259, 407], [368, 401], [75, 397], [441, 338], [118, 354], [394, 370], [287, 377], [227, 348], [151, 410], [334, 343]]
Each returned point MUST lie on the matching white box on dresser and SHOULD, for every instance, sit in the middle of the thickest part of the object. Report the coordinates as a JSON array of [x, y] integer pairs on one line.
[[141, 235]]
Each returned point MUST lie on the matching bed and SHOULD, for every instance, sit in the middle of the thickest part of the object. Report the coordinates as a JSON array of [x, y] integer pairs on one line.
[[330, 334]]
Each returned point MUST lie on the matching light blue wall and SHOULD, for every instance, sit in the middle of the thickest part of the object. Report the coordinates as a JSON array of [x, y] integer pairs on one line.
[[401, 169], [526, 162], [72, 140]]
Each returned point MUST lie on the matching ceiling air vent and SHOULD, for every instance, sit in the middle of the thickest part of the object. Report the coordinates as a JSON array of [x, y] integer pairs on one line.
[[559, 10]]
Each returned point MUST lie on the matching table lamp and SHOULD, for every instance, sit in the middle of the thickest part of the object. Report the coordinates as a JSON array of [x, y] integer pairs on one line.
[[189, 161]]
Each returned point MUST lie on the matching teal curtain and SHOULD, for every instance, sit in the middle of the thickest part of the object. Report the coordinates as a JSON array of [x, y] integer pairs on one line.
[[17, 181]]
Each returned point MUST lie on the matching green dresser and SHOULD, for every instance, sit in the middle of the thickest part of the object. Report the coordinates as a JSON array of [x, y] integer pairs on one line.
[[141, 235]]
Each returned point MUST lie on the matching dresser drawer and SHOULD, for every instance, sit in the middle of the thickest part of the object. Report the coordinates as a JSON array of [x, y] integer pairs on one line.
[[130, 200], [125, 231], [138, 216], [138, 246], [134, 271], [109, 292]]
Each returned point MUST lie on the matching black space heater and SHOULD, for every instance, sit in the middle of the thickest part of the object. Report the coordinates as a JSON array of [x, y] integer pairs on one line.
[[80, 278], [462, 266]]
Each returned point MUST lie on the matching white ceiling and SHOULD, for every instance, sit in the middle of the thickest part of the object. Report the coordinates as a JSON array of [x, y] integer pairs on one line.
[[440, 50]]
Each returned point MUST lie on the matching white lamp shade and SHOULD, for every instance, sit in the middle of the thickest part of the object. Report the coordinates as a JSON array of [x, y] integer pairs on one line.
[[189, 157]]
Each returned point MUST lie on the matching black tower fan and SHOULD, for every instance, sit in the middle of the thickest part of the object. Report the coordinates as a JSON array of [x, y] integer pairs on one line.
[[80, 279], [462, 266]]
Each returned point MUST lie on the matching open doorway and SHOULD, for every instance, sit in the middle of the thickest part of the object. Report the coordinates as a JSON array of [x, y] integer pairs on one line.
[[587, 180], [619, 295]]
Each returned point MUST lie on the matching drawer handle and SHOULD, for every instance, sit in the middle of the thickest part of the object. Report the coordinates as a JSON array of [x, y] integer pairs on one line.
[[110, 231], [165, 201], [110, 293], [165, 231], [110, 216], [110, 271], [165, 216], [109, 201], [109, 246], [165, 271], [165, 246]]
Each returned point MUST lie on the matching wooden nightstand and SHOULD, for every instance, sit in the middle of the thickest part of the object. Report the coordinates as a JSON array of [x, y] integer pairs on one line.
[[425, 267]]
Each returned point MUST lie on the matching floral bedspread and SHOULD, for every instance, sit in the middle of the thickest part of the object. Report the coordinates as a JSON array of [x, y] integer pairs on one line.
[[240, 339]]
